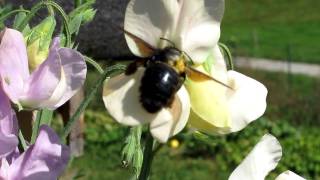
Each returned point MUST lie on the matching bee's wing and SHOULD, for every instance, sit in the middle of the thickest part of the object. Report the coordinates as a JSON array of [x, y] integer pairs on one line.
[[196, 75], [145, 48]]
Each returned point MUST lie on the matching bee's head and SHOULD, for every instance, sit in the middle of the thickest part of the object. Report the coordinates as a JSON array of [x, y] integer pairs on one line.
[[172, 54]]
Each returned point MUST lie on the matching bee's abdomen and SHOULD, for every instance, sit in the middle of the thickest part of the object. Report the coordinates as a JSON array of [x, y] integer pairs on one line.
[[158, 86]]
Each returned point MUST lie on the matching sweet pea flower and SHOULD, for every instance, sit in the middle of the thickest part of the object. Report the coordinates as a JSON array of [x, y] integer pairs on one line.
[[193, 26], [180, 22], [50, 85], [261, 160], [8, 126], [46, 159]]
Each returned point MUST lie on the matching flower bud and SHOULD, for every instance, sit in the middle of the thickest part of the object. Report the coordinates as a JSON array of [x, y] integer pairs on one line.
[[88, 15], [38, 42]]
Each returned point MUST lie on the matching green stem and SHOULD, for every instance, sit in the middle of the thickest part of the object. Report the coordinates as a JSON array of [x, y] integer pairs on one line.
[[65, 21], [22, 141], [5, 16], [50, 10], [44, 116], [94, 64], [35, 127], [89, 98], [147, 158], [226, 50], [43, 4]]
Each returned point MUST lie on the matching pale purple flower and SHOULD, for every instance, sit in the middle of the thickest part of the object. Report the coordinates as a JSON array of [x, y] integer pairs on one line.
[[46, 159], [50, 85], [8, 126]]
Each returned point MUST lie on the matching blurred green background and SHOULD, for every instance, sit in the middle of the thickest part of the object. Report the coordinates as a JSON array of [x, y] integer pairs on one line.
[[273, 29], [269, 29]]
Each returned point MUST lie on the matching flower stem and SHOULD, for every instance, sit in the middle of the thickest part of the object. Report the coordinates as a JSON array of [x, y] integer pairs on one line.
[[89, 98], [94, 64], [227, 51], [44, 116], [147, 158], [13, 12], [22, 141]]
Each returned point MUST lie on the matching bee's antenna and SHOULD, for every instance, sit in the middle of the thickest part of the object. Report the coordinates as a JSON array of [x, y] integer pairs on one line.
[[165, 39], [190, 59], [174, 45]]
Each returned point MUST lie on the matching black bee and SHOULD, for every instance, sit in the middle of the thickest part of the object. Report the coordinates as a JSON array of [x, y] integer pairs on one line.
[[165, 72]]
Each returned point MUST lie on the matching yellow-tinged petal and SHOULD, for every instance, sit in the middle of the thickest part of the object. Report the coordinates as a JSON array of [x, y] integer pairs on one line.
[[220, 110], [208, 103], [206, 126]]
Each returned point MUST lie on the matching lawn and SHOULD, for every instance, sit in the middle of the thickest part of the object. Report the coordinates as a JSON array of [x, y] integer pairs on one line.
[[291, 116], [273, 29]]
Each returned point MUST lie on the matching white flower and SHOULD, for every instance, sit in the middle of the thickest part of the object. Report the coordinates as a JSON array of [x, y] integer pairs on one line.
[[261, 160], [194, 27]]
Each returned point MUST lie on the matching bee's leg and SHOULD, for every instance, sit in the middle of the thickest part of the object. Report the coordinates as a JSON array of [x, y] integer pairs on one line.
[[132, 67]]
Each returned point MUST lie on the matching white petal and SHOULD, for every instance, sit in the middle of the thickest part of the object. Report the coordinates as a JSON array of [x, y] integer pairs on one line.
[[247, 100], [121, 98], [261, 160], [219, 65], [149, 20], [289, 175], [198, 28], [162, 129]]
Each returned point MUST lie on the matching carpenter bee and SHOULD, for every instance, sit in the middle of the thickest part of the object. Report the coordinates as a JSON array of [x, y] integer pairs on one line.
[[165, 72]]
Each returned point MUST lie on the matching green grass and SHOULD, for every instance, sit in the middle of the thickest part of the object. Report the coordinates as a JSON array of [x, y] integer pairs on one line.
[[292, 116], [273, 29]]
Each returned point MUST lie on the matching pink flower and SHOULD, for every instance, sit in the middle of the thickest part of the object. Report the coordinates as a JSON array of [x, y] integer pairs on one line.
[[46, 159], [8, 126], [50, 85]]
